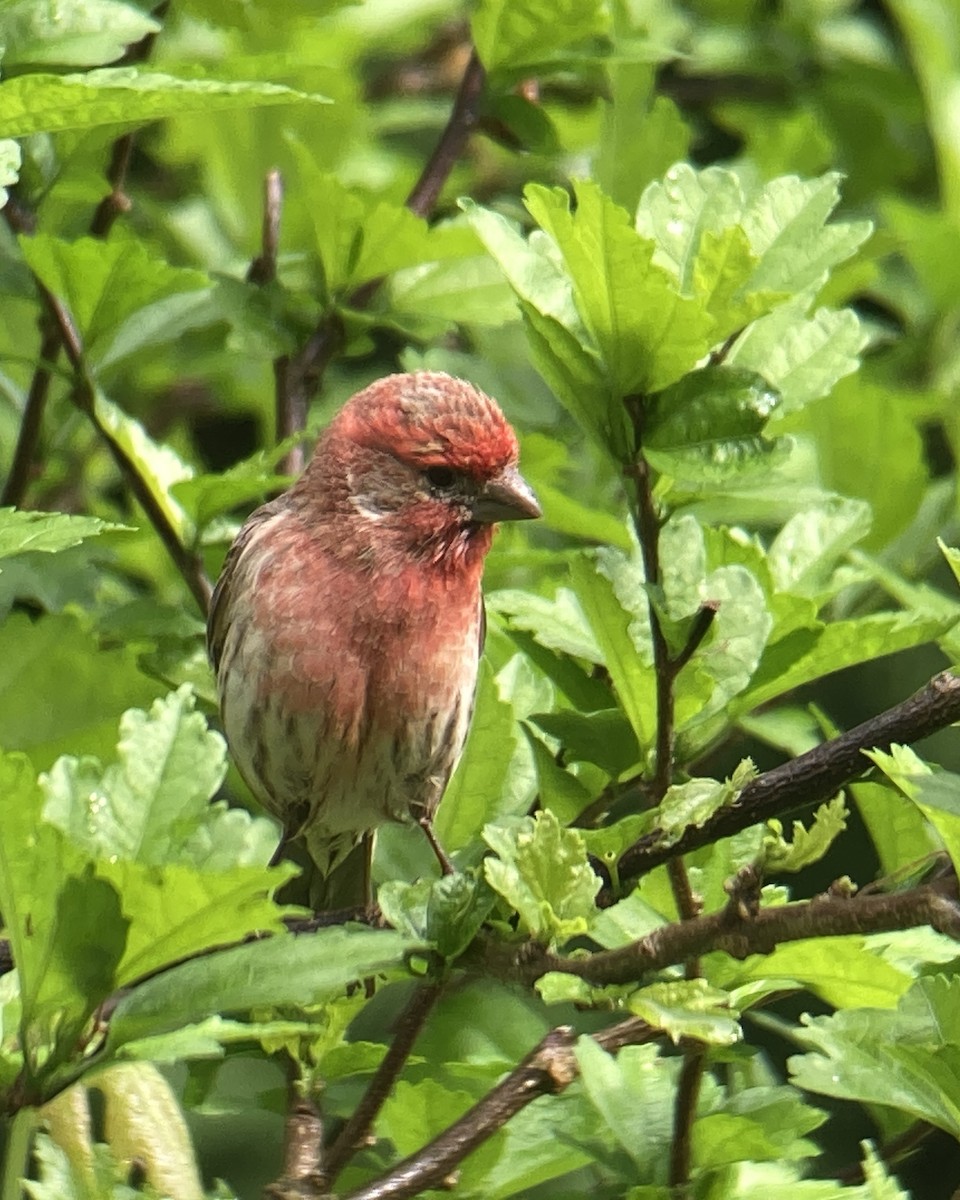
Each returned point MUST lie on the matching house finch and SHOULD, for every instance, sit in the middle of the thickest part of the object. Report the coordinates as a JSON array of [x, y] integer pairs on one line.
[[346, 628]]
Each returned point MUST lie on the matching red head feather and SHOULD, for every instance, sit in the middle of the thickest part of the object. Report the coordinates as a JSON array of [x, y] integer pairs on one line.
[[426, 419]]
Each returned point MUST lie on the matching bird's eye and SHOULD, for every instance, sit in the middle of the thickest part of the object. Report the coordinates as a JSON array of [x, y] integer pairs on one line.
[[441, 478]]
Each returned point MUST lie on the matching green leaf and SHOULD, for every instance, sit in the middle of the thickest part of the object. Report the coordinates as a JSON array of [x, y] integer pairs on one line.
[[724, 664], [541, 870], [743, 251], [143, 1122], [557, 987], [688, 1008], [786, 223], [647, 333], [65, 926], [935, 792], [878, 1184], [897, 828], [558, 790], [810, 654], [11, 1017], [148, 805], [470, 291], [633, 1093], [906, 1058], [414, 1113], [808, 845], [474, 793], [869, 447], [277, 972], [446, 912], [843, 971], [176, 911], [622, 635], [205, 497], [755, 1124], [359, 239], [680, 210], [952, 555], [691, 804], [157, 464], [560, 346], [695, 220], [559, 624], [804, 554], [518, 34], [105, 284], [642, 133], [77, 34], [27, 532], [77, 688], [801, 357], [603, 737], [565, 513], [124, 96], [932, 41], [708, 406], [708, 428], [10, 159]]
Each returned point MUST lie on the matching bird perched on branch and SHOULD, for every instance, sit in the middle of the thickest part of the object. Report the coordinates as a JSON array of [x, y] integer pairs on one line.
[[346, 628]]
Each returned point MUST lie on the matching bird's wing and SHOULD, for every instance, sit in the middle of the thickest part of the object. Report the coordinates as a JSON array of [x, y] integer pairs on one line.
[[218, 617]]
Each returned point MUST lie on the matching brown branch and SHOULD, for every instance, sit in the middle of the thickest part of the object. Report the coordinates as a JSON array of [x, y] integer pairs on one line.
[[263, 269], [28, 437], [684, 1113], [300, 376], [547, 1070], [302, 1148], [667, 668], [461, 123], [116, 202], [354, 1133], [741, 928], [889, 1152], [810, 778], [188, 563]]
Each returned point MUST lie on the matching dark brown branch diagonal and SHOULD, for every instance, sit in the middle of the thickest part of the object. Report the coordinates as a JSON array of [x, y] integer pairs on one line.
[[547, 1070], [741, 928], [810, 778]]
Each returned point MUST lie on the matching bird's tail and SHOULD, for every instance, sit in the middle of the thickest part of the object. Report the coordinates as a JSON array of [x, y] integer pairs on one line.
[[341, 880]]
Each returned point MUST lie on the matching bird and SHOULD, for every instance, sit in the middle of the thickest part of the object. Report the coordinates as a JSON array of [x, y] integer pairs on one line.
[[346, 627]]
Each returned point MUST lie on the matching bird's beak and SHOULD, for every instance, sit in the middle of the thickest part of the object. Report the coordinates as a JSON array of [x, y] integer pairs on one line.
[[506, 497]]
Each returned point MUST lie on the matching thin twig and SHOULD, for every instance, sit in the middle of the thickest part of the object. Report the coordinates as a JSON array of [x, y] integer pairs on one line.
[[684, 1112], [407, 1029], [667, 667], [263, 269], [699, 628], [741, 928], [28, 437], [461, 123], [188, 563], [810, 778], [302, 1150], [549, 1068], [891, 1151], [300, 376], [116, 202]]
